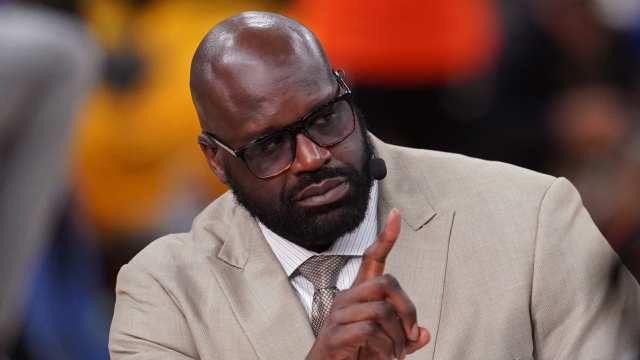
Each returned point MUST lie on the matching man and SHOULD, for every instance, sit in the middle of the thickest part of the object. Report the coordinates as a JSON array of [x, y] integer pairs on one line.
[[495, 261]]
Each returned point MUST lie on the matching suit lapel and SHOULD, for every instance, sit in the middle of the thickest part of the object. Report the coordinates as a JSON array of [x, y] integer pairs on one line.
[[419, 257], [260, 294]]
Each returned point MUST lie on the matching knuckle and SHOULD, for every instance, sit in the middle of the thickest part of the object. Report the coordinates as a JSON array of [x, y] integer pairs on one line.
[[331, 320], [391, 281], [381, 281], [410, 310], [338, 300], [381, 286], [333, 342], [369, 328], [384, 310]]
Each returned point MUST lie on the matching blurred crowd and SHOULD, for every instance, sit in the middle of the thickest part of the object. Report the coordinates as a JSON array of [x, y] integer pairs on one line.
[[98, 151]]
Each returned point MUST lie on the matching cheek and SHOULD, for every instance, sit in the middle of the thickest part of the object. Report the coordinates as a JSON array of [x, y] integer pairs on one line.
[[268, 192], [263, 191], [351, 150]]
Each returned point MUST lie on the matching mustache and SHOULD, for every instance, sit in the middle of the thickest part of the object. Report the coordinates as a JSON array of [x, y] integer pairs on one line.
[[316, 177]]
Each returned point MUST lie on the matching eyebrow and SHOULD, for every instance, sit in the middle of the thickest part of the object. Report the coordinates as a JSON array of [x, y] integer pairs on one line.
[[270, 130], [261, 134]]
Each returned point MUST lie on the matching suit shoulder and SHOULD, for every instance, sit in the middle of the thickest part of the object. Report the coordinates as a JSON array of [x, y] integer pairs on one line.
[[453, 177], [477, 171], [189, 248], [162, 252]]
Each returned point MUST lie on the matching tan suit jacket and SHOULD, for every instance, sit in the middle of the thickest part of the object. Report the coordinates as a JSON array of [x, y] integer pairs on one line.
[[501, 263]]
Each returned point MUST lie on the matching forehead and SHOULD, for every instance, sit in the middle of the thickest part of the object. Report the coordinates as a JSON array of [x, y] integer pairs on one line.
[[260, 99]]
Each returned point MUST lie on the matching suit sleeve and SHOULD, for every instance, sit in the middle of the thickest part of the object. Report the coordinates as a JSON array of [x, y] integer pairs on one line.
[[147, 323], [583, 305]]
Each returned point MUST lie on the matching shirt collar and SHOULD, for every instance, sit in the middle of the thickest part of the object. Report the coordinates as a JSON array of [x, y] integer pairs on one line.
[[354, 243]]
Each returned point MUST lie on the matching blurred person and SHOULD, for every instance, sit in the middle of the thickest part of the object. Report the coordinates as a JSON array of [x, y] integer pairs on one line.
[[622, 15], [493, 261], [596, 146], [419, 66], [562, 44], [48, 63], [586, 47], [68, 307], [636, 37]]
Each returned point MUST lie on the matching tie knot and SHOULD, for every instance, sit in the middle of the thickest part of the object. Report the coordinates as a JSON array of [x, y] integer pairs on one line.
[[322, 270]]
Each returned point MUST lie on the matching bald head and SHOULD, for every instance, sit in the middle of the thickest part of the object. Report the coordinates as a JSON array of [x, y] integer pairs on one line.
[[246, 62]]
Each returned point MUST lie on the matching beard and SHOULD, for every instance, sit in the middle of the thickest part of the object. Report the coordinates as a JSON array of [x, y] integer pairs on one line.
[[315, 228]]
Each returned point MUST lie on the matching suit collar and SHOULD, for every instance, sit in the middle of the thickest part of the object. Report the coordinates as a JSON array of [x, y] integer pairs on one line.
[[251, 278], [217, 220], [403, 188]]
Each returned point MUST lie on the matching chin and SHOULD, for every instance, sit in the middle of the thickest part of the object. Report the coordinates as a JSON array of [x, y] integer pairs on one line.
[[320, 230]]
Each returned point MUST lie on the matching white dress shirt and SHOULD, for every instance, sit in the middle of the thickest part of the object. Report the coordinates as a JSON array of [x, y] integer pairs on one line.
[[351, 244]]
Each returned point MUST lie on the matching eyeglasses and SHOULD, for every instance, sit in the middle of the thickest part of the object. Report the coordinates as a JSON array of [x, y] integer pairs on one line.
[[272, 154]]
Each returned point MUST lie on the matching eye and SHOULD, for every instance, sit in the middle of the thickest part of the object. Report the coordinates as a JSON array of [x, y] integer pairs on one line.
[[324, 119], [271, 145]]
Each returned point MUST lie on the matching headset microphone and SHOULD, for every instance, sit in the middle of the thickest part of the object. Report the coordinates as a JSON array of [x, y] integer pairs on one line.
[[377, 169]]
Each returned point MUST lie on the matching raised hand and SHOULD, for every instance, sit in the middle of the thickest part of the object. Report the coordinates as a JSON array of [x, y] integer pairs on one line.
[[375, 319]]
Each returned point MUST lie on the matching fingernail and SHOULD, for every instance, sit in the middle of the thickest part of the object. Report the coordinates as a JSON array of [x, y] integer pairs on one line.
[[415, 333], [403, 354]]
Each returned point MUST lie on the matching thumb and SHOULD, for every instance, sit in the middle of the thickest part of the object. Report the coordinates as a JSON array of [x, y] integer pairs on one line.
[[423, 339]]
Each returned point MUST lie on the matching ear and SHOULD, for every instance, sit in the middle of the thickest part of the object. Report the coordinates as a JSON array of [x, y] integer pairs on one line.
[[214, 159]]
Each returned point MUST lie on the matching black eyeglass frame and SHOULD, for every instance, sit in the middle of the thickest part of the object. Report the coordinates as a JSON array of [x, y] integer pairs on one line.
[[300, 125]]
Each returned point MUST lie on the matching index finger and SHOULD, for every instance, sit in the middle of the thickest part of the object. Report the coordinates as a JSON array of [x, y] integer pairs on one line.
[[374, 258]]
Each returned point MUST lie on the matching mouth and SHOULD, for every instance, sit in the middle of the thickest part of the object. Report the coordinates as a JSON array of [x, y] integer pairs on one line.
[[325, 192]]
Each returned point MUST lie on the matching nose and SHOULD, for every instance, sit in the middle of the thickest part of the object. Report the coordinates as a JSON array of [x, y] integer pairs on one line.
[[309, 156]]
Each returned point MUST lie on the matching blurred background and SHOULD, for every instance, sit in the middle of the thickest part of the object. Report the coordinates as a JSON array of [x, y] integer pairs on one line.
[[98, 152]]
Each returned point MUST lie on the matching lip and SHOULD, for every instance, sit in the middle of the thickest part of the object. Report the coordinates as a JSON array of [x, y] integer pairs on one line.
[[324, 192]]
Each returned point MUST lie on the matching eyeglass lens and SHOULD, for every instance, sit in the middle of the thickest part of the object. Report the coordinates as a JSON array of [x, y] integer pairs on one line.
[[328, 127]]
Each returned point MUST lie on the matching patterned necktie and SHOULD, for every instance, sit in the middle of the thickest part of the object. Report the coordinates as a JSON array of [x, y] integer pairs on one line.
[[322, 271]]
